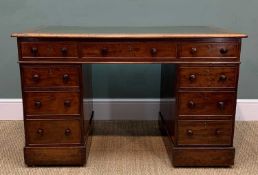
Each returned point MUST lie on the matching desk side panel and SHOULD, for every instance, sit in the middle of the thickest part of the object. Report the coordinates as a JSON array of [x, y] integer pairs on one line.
[[87, 97], [168, 97]]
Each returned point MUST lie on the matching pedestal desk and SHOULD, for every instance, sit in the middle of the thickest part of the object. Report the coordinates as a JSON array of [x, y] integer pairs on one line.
[[199, 79]]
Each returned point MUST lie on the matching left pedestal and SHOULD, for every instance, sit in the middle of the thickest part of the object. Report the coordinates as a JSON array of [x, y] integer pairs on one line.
[[58, 114]]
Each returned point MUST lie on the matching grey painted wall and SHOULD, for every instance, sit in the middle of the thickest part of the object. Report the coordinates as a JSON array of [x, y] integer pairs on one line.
[[123, 81]]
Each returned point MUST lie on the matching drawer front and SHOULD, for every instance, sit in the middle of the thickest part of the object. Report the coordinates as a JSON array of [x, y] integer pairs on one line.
[[50, 103], [50, 76], [53, 131], [205, 132], [209, 50], [208, 77], [206, 103], [49, 50], [129, 49]]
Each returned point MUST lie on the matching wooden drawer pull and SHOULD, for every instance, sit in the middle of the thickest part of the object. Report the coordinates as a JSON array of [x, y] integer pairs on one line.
[[65, 78], [67, 132], [37, 104], [221, 105], [40, 131], [192, 77], [189, 132], [223, 78], [154, 51], [35, 77], [64, 50], [191, 104], [218, 132], [194, 50], [104, 51], [34, 51], [67, 103], [223, 50]]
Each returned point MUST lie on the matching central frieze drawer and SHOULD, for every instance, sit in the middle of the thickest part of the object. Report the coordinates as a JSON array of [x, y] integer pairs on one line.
[[53, 131], [205, 132], [45, 50], [209, 50], [128, 49], [206, 103], [50, 76], [207, 77], [46, 103]]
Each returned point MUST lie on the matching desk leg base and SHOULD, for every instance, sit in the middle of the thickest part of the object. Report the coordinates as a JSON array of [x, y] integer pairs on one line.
[[203, 156], [55, 156]]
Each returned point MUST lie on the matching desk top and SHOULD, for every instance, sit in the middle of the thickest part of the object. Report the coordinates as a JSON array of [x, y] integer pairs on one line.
[[129, 32]]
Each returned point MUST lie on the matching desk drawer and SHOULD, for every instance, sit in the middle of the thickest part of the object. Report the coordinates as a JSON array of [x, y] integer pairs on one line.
[[50, 76], [129, 49], [208, 77], [205, 132], [53, 131], [46, 50], [206, 103], [50, 103], [209, 50]]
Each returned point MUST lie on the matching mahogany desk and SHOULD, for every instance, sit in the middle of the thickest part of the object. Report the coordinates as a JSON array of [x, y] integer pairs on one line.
[[200, 67]]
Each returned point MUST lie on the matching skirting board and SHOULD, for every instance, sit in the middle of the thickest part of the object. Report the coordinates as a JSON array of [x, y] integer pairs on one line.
[[127, 109]]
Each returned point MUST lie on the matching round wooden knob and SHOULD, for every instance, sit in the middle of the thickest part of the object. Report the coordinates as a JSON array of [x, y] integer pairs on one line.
[[223, 50], [40, 131], [189, 132], [191, 104], [192, 77], [34, 50], [64, 50], [223, 78], [65, 78], [35, 77], [153, 51], [67, 103], [67, 132], [221, 105], [37, 104], [218, 132], [193, 50], [104, 51]]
